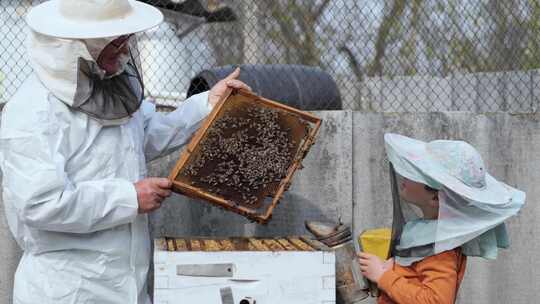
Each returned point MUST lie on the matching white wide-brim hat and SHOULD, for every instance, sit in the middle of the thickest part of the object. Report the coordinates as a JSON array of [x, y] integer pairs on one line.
[[88, 19], [455, 165]]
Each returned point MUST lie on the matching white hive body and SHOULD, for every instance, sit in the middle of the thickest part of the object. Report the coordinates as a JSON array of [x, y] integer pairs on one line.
[[259, 273]]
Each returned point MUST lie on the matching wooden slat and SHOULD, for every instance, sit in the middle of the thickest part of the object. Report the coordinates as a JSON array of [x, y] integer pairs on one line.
[[286, 244], [241, 244], [170, 245], [258, 245], [181, 245], [314, 243], [227, 245], [294, 243], [300, 244], [251, 247], [273, 245], [160, 244], [211, 245], [195, 245]]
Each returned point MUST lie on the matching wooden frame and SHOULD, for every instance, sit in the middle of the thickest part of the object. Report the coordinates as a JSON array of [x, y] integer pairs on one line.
[[250, 213], [285, 243]]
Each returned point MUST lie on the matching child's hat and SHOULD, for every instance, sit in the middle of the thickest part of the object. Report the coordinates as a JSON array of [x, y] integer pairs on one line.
[[450, 163], [473, 205]]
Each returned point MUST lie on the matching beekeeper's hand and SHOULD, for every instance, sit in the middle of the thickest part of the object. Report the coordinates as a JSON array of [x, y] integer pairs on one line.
[[221, 87], [373, 267], [151, 192]]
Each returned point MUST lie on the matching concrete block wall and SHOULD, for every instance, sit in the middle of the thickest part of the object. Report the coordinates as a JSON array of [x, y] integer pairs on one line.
[[509, 145], [346, 175]]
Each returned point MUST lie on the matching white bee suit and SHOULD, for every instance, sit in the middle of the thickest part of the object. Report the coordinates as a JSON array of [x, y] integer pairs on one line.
[[68, 186]]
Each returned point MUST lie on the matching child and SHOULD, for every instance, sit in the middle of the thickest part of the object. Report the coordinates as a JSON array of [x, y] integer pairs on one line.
[[446, 207]]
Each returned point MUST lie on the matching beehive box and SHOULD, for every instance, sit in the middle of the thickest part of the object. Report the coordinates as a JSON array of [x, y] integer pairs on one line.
[[243, 270], [245, 154]]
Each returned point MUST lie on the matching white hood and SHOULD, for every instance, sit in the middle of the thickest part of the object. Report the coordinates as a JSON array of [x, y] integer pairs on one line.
[[56, 63], [68, 69]]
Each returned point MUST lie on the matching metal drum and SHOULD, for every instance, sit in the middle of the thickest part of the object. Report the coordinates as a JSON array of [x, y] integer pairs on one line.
[[303, 87]]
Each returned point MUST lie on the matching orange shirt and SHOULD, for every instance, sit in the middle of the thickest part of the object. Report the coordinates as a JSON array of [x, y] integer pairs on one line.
[[434, 279]]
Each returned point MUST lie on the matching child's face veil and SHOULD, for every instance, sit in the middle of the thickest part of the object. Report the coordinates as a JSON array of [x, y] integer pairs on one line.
[[472, 205]]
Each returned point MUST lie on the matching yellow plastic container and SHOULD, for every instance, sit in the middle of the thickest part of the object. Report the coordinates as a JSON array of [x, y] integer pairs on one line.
[[376, 241]]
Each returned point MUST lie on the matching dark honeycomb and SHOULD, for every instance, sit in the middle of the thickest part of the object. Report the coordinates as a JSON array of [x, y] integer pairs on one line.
[[246, 152]]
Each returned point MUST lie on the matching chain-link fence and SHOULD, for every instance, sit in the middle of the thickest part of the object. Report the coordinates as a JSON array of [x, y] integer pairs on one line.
[[394, 55]]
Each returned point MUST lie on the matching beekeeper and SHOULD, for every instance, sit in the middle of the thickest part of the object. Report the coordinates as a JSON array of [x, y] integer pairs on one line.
[[74, 143]]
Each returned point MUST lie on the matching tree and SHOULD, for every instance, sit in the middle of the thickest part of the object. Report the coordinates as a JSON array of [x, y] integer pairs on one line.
[[293, 30]]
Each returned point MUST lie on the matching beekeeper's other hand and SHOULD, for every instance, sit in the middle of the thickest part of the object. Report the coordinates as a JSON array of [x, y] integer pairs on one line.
[[151, 192], [221, 87]]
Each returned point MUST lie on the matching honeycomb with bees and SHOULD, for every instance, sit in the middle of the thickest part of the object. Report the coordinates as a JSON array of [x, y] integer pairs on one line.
[[245, 154]]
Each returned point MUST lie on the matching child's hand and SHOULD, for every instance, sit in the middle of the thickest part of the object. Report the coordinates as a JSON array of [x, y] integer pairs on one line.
[[373, 267]]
